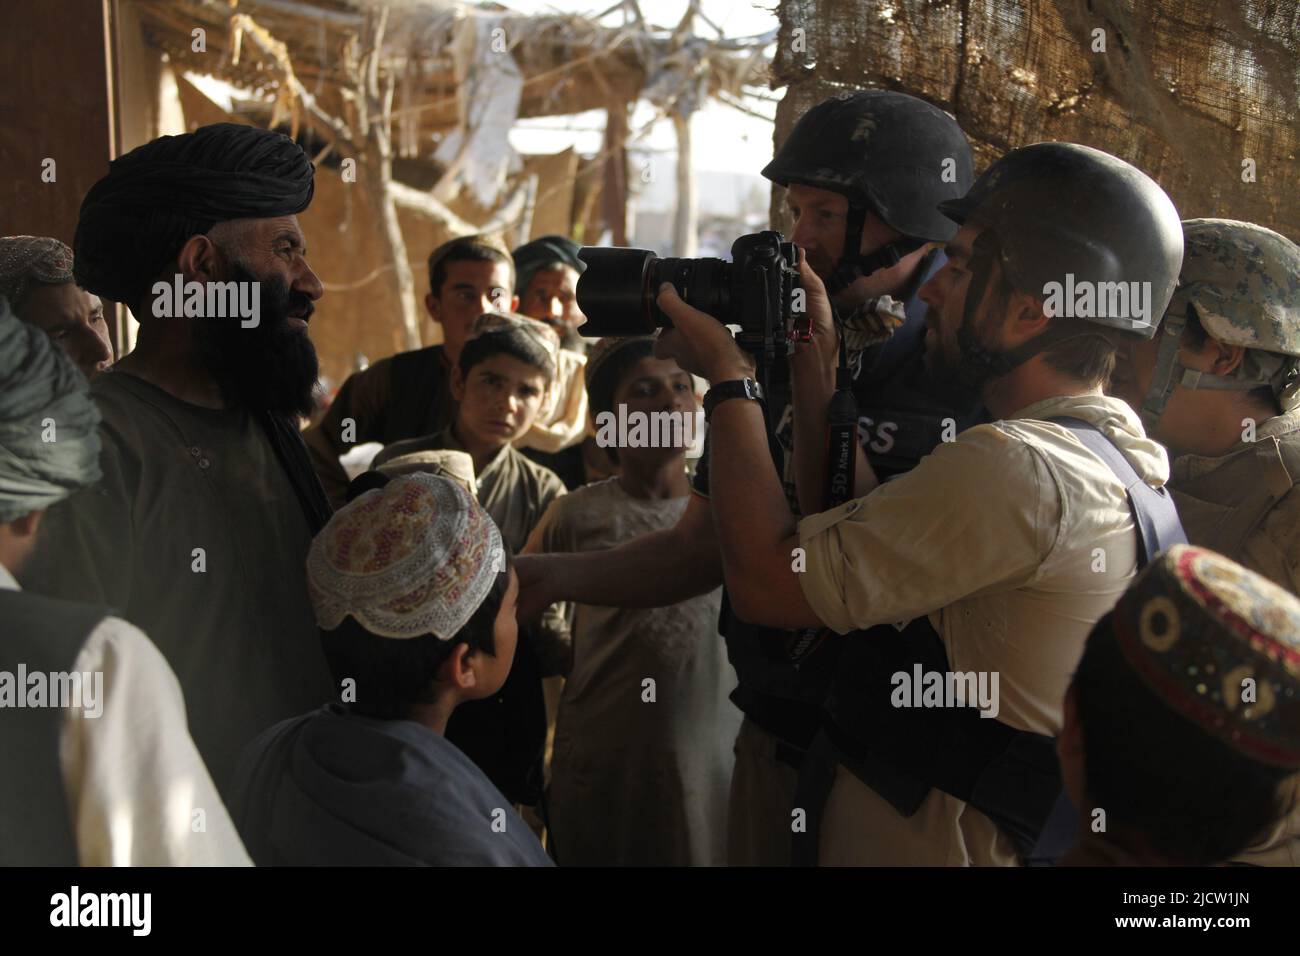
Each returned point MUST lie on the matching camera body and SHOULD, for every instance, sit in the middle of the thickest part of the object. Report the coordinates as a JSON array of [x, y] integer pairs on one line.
[[757, 291]]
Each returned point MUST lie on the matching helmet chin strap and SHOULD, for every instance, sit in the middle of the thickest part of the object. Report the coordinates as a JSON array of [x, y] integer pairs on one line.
[[852, 267], [981, 364], [1170, 374]]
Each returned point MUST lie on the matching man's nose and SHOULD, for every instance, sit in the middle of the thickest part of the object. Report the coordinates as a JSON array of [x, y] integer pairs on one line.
[[94, 349], [308, 283], [555, 308], [802, 235]]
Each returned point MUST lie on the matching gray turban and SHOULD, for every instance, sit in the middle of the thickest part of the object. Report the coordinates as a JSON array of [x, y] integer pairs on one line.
[[42, 396], [135, 219], [28, 259]]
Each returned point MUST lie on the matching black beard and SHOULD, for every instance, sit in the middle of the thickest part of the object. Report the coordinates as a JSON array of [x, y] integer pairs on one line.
[[269, 367]]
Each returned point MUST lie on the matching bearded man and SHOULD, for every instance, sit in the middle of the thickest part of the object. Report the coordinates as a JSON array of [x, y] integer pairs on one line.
[[199, 530]]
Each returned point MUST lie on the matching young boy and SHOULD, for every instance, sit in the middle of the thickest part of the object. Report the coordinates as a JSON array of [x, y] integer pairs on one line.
[[415, 600], [642, 758], [1181, 741], [409, 394], [505, 367]]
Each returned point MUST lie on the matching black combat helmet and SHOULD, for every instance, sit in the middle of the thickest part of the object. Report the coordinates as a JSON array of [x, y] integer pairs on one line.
[[1061, 209], [886, 152]]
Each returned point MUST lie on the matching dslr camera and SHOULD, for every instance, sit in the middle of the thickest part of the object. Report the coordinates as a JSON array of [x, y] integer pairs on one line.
[[758, 291]]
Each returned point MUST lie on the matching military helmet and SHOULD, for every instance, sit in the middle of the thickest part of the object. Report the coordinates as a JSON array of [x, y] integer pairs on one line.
[[882, 150], [1244, 282], [1063, 210]]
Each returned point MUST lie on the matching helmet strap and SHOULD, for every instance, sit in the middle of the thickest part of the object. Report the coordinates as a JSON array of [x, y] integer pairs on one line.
[[1171, 374], [981, 364], [853, 265]]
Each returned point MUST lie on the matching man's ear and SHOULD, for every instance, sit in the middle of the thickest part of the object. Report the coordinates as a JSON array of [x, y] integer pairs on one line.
[[1028, 316], [457, 670], [1226, 358], [199, 260], [457, 384], [514, 303], [432, 305]]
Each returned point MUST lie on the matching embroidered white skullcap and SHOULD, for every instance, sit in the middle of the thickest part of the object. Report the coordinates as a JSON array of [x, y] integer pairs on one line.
[[27, 259], [415, 557]]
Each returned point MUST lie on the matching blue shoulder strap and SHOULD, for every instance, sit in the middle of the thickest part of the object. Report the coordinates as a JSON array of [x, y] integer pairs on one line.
[[1158, 527], [1157, 521]]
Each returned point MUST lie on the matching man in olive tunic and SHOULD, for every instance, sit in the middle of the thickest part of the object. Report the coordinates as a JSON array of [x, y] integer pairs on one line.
[[199, 529]]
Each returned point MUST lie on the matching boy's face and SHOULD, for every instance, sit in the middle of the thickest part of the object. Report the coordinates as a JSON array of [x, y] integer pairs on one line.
[[656, 385], [498, 399], [470, 289]]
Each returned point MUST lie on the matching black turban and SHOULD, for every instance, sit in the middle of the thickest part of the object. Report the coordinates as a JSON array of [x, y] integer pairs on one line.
[[544, 253], [135, 219]]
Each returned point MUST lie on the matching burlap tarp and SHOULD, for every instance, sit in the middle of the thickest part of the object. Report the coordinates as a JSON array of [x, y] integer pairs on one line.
[[1203, 95]]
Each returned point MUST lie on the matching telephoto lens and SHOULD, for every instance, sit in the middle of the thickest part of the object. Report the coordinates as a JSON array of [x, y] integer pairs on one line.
[[618, 289]]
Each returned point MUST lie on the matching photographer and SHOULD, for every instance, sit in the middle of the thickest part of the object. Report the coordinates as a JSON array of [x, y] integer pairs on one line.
[[1001, 548], [865, 173]]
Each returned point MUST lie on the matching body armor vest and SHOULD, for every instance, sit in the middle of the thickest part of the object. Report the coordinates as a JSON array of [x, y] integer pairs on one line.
[[1009, 775], [1222, 507]]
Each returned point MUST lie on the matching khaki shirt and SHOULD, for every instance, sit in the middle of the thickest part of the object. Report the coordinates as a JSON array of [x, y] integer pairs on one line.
[[1202, 486], [1209, 493], [1014, 539]]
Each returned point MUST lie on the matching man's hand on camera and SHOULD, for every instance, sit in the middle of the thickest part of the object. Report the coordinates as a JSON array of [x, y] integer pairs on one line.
[[823, 351], [700, 343]]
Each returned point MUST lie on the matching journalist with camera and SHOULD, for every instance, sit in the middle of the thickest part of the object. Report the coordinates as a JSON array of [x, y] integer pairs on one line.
[[864, 173]]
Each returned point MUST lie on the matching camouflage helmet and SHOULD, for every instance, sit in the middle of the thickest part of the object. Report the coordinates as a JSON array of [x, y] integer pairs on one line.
[[1242, 283]]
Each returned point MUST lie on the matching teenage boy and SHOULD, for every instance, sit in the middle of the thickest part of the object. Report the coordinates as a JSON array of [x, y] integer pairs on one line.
[[408, 395], [503, 372]]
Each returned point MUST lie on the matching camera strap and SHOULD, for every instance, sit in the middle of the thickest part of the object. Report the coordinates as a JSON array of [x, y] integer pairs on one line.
[[841, 450]]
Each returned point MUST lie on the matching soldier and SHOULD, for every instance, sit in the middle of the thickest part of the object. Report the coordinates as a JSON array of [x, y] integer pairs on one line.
[[981, 571], [1182, 724], [865, 172], [1221, 389]]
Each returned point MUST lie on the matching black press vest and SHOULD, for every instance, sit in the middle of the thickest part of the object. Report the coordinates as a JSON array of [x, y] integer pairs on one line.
[[1009, 775]]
